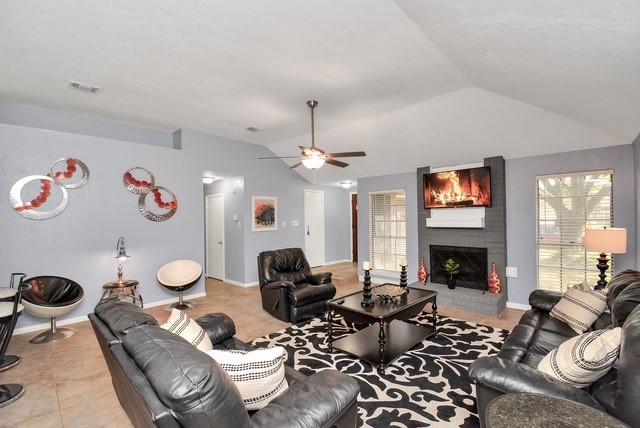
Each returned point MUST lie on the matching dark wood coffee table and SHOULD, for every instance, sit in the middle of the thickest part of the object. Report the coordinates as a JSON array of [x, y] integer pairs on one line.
[[388, 335]]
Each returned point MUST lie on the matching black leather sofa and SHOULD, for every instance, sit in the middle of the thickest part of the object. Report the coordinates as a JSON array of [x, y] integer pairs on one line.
[[514, 368], [163, 381], [290, 292]]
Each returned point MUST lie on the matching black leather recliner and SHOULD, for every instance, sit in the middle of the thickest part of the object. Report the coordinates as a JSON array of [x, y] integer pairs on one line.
[[514, 368], [161, 380], [290, 292]]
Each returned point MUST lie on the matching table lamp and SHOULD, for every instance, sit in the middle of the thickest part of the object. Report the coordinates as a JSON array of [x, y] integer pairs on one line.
[[122, 256], [608, 240]]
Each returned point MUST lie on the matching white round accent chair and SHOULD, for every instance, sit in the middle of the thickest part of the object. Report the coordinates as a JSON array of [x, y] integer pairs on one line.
[[179, 276]]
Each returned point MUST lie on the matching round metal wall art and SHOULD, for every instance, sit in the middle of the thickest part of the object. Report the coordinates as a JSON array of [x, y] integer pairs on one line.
[[146, 186], [40, 207]]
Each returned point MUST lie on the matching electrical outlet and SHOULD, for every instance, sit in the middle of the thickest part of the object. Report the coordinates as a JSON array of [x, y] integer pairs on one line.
[[295, 223], [512, 272], [284, 224]]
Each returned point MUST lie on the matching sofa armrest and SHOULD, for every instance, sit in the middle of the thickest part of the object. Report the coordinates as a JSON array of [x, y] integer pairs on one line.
[[319, 278], [317, 401], [508, 376], [544, 300], [219, 327]]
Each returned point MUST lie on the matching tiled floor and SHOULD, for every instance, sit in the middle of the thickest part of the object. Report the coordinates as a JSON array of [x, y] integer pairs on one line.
[[67, 382]]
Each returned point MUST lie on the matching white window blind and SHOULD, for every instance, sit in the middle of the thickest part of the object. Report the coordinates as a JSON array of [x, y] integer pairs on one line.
[[388, 229], [567, 205]]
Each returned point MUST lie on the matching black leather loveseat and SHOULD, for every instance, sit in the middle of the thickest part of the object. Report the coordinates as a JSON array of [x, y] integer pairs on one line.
[[290, 292], [163, 381], [514, 368]]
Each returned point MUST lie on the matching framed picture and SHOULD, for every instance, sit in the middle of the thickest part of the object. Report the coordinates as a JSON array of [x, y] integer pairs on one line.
[[265, 213]]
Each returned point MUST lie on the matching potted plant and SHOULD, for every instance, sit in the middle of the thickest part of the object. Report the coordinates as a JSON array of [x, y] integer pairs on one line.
[[452, 268]]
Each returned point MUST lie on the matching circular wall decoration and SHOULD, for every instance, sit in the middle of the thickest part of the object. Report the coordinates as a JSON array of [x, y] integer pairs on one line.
[[169, 208], [63, 177], [134, 185], [38, 208]]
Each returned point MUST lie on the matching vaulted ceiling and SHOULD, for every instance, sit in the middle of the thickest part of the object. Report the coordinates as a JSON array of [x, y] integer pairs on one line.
[[412, 82]]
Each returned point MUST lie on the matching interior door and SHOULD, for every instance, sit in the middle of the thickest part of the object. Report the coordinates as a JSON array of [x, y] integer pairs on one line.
[[215, 236], [354, 226], [314, 226]]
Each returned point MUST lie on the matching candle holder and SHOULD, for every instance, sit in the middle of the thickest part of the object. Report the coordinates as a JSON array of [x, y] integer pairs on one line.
[[367, 299], [403, 277]]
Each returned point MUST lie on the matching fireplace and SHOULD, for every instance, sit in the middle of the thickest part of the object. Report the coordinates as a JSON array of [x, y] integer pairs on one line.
[[473, 265]]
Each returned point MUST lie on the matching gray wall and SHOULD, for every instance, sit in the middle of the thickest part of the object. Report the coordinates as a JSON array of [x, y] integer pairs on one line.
[[80, 242], [521, 206], [636, 152], [233, 190], [406, 181]]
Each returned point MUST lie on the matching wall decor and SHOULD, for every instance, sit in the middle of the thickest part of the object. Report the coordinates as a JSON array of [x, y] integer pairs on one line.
[[46, 205], [141, 181], [265, 213]]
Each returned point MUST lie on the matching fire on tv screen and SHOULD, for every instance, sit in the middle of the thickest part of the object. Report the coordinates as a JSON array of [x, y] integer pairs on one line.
[[458, 188]]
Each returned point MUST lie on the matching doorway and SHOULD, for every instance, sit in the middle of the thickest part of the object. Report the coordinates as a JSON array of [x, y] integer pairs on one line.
[[314, 227], [215, 236], [354, 227]]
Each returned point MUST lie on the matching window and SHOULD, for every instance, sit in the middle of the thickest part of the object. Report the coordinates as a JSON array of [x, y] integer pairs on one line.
[[567, 205], [388, 229]]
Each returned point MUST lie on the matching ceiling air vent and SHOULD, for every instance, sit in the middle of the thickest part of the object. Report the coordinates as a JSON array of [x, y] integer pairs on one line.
[[84, 87]]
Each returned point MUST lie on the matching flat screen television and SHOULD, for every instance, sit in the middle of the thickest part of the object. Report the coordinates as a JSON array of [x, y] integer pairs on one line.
[[458, 188]]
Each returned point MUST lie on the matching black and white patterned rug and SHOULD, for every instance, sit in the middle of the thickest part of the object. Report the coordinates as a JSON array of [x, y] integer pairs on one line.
[[425, 387]]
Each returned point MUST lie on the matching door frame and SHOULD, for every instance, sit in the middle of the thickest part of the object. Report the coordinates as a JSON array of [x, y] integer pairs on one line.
[[206, 234], [324, 225]]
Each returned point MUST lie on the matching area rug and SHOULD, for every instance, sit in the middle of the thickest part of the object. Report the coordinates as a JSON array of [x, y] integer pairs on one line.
[[425, 387]]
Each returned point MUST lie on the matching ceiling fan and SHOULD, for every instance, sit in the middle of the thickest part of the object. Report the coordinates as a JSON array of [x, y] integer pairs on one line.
[[314, 157]]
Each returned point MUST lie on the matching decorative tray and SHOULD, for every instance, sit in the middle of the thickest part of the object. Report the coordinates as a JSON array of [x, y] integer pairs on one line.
[[388, 291]]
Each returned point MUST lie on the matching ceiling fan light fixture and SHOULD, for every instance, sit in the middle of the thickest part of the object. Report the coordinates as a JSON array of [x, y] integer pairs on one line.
[[313, 160]]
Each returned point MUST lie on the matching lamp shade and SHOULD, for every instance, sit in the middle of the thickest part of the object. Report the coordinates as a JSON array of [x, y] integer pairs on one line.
[[609, 240]]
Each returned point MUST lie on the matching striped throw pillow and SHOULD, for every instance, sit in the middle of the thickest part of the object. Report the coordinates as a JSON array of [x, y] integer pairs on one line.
[[259, 374], [583, 359], [579, 309], [181, 324]]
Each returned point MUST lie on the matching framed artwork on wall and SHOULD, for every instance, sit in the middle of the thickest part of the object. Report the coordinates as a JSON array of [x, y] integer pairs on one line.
[[265, 213]]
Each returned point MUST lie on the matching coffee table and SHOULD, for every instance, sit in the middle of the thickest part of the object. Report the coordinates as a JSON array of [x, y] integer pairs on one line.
[[388, 335]]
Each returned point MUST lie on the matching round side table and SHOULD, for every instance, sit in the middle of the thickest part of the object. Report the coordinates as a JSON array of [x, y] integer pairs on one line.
[[123, 289], [542, 411]]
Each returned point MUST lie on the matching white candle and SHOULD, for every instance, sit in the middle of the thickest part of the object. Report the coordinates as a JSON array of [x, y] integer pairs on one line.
[[366, 266], [403, 262]]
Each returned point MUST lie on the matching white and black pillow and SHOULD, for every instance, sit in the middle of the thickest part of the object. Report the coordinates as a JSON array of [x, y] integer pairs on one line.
[[583, 359], [259, 375], [181, 324], [580, 307]]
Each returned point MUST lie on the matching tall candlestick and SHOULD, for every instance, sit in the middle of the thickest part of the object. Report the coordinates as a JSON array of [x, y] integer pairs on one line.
[[403, 276], [367, 300]]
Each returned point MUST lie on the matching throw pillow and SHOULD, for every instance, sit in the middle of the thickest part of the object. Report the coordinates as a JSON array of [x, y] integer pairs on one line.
[[184, 326], [259, 374], [580, 309], [583, 359]]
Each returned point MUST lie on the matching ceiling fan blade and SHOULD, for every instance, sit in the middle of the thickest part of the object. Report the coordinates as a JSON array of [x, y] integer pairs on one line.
[[347, 154], [295, 165], [336, 163], [280, 157]]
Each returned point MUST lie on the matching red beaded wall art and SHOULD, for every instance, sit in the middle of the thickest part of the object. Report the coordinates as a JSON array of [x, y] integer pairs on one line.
[[63, 175], [141, 181]]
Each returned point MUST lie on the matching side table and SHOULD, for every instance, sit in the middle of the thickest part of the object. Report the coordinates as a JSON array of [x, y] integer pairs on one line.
[[542, 411], [125, 289]]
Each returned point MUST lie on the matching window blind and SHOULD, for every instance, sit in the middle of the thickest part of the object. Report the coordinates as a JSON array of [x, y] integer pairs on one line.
[[567, 205], [388, 240]]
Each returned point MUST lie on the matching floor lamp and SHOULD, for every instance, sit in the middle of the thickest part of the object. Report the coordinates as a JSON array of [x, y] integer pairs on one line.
[[608, 240]]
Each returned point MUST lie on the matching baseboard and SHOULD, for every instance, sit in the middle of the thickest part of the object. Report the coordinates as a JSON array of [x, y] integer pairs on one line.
[[75, 320], [241, 284], [335, 262], [518, 306]]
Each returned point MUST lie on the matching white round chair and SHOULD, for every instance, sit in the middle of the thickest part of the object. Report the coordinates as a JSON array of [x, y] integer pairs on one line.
[[51, 297], [179, 276]]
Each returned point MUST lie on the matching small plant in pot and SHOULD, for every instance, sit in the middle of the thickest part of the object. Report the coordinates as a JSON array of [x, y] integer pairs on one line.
[[452, 268]]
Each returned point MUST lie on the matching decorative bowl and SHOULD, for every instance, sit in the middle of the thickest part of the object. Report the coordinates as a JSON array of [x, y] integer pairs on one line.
[[388, 291]]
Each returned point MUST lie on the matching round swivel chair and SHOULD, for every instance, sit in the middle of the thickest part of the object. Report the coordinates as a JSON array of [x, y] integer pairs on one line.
[[51, 297], [179, 276]]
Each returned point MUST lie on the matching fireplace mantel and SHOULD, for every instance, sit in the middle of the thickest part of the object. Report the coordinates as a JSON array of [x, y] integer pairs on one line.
[[466, 218]]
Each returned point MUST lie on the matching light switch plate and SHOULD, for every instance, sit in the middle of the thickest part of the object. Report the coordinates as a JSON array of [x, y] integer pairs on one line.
[[284, 224], [295, 223], [512, 272]]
